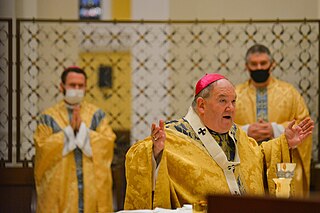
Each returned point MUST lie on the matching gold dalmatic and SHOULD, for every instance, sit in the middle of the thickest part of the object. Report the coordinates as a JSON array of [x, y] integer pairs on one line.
[[57, 177], [188, 173], [284, 104]]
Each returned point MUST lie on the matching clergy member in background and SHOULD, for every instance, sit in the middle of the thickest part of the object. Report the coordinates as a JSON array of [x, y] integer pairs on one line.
[[205, 152], [74, 149], [265, 107]]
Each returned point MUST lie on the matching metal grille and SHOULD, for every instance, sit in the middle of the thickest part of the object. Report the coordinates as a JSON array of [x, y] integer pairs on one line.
[[165, 60], [5, 91]]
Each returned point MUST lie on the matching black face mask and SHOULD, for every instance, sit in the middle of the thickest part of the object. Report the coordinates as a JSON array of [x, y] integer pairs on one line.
[[260, 76]]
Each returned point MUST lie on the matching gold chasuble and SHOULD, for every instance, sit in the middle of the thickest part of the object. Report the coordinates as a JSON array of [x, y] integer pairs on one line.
[[284, 104], [59, 188], [187, 173]]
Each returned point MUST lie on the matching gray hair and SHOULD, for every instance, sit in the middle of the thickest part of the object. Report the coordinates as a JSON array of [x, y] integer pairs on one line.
[[205, 93], [258, 48]]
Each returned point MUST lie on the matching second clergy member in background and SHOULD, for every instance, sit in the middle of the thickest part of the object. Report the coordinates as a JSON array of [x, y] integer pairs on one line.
[[266, 105], [74, 149]]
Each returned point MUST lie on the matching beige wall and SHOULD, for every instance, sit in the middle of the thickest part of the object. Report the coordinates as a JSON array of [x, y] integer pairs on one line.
[[46, 9], [227, 9], [26, 9], [244, 9], [173, 9], [150, 9], [7, 8], [66, 9]]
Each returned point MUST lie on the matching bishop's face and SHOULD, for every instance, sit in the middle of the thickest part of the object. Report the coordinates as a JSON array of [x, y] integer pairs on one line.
[[218, 110]]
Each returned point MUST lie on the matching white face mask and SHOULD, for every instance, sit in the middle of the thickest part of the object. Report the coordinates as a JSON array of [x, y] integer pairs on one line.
[[74, 96]]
